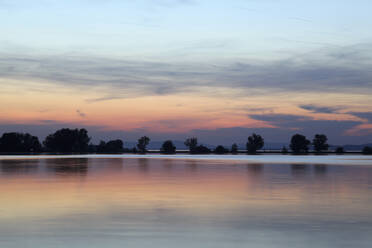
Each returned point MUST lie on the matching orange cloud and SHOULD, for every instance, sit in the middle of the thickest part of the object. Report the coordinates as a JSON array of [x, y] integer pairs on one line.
[[177, 112], [360, 130]]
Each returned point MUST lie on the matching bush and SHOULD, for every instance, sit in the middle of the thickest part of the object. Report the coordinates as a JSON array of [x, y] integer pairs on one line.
[[113, 146], [202, 150], [234, 149], [130, 150], [340, 150], [284, 150], [367, 150], [168, 147], [220, 150]]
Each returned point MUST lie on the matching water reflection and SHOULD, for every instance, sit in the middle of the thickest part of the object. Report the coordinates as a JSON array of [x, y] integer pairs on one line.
[[168, 165], [108, 164], [12, 167], [320, 170], [255, 169], [192, 166], [68, 167], [182, 203], [300, 170], [143, 165]]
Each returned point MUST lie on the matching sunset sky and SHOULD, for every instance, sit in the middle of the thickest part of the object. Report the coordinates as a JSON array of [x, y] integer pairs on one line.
[[215, 69]]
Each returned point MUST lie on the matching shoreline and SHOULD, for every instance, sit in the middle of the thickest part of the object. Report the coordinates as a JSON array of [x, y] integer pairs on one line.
[[264, 159]]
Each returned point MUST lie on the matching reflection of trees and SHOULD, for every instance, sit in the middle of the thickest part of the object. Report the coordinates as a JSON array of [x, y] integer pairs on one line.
[[108, 164], [320, 169], [168, 164], [299, 169], [192, 165], [254, 174], [68, 166], [255, 169], [143, 164], [19, 166]]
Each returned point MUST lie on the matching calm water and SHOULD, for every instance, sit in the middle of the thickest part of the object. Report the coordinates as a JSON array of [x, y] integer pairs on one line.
[[182, 203]]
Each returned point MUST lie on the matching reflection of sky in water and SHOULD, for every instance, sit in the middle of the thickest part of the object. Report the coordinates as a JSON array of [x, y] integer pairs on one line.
[[182, 203]]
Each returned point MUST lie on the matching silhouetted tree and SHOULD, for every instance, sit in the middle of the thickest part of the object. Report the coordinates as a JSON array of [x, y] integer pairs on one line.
[[130, 150], [299, 144], [234, 149], [168, 147], [19, 142], [201, 150], [284, 150], [113, 146], [220, 150], [320, 143], [340, 150], [367, 150], [92, 148], [101, 147], [68, 140], [142, 144], [255, 142], [191, 143]]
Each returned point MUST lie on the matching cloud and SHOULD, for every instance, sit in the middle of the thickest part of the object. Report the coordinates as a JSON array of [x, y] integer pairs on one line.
[[364, 115], [335, 70], [363, 129], [320, 109], [280, 119], [49, 122], [335, 129], [80, 113], [360, 130], [102, 99]]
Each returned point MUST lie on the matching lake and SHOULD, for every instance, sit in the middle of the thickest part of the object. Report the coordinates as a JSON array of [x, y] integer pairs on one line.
[[116, 201]]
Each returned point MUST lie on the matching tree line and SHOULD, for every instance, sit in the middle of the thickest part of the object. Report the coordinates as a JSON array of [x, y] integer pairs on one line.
[[77, 141]]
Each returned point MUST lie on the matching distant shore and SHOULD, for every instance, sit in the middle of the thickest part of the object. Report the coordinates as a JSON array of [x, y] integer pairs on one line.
[[267, 159], [157, 151]]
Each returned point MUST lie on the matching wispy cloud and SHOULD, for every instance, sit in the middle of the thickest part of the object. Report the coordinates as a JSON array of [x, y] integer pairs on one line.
[[336, 129], [367, 116], [320, 109], [80, 113], [338, 70], [281, 120]]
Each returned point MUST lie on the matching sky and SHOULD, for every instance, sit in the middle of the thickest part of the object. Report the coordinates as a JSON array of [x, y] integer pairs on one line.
[[170, 69]]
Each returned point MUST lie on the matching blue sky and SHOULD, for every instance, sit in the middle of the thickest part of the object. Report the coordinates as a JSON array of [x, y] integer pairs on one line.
[[174, 68], [166, 28]]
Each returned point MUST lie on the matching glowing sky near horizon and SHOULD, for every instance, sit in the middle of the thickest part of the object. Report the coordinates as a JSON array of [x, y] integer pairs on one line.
[[172, 68]]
